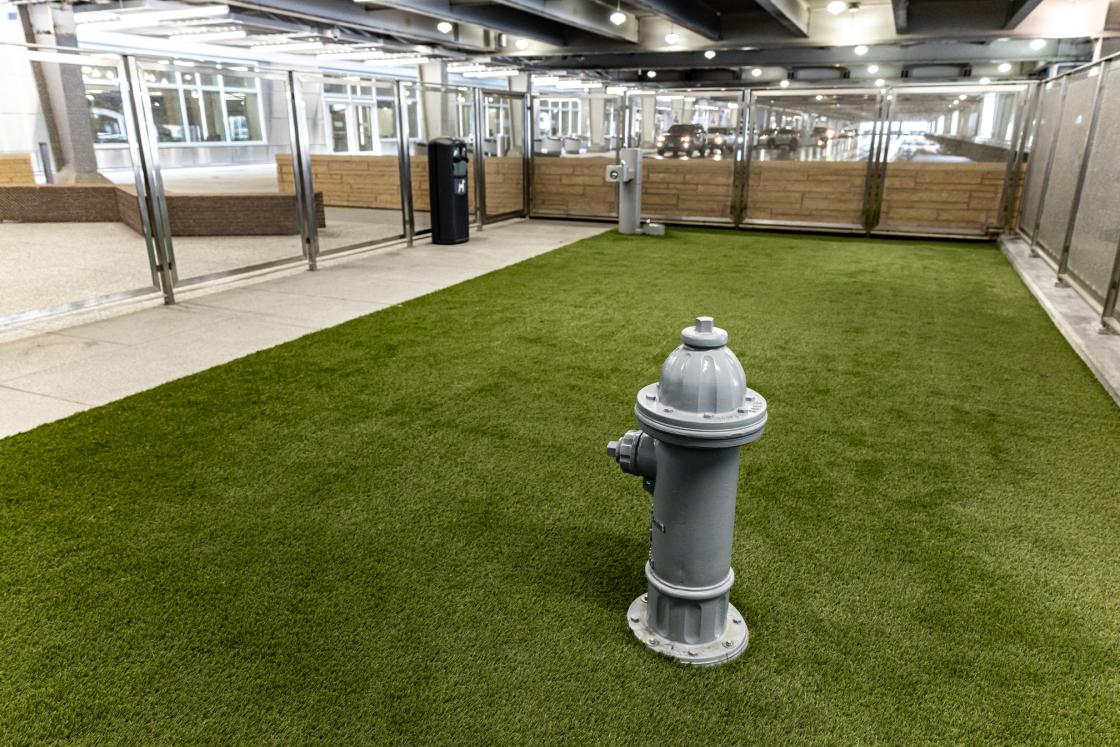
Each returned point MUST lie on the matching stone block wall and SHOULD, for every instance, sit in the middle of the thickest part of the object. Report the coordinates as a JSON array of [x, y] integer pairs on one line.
[[812, 191], [54, 203], [15, 168], [942, 195], [505, 183], [573, 187], [687, 189]]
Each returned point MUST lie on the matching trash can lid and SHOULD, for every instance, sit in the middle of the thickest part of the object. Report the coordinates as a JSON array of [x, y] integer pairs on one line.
[[702, 398]]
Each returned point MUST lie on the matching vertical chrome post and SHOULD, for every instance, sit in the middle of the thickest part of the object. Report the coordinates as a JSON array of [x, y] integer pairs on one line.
[[144, 150], [527, 154], [308, 218], [479, 166], [1109, 307], [1013, 176], [1063, 255], [404, 164], [1046, 171], [749, 143], [876, 163], [740, 170]]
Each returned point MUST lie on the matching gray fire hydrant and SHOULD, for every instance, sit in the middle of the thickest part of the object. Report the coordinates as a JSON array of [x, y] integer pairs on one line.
[[693, 422]]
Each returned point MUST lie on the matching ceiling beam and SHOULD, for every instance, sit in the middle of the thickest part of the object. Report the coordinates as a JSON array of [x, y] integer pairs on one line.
[[689, 14], [792, 14], [901, 10], [347, 13], [1018, 11], [581, 14], [497, 17]]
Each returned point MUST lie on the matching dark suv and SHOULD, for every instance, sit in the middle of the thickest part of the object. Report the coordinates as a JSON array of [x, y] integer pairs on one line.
[[721, 141], [683, 140]]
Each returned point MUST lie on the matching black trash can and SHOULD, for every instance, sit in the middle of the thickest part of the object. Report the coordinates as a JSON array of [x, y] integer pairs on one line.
[[447, 190]]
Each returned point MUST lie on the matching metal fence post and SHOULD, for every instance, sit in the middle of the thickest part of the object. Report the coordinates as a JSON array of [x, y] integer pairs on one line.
[[143, 148], [301, 172], [527, 149], [479, 166], [1046, 171], [1013, 176], [741, 168], [1063, 255], [876, 163], [404, 164]]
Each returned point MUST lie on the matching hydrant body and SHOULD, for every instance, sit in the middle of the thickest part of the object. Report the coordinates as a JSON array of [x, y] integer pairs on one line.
[[693, 423]]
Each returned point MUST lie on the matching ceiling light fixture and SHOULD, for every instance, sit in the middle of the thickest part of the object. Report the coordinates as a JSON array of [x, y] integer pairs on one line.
[[861, 50], [756, 73], [784, 83], [820, 97], [1038, 44], [710, 55], [872, 69], [521, 44], [445, 27], [836, 7], [651, 74], [879, 82], [672, 38], [1005, 67], [618, 17], [985, 81]]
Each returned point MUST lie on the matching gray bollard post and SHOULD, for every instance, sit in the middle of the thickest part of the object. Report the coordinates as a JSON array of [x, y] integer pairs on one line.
[[693, 422]]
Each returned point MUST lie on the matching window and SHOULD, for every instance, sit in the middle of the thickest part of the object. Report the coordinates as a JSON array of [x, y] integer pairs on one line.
[[560, 117], [362, 118], [193, 107]]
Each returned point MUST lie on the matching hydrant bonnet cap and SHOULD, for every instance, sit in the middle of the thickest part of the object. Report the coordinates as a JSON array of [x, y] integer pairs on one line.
[[704, 334]]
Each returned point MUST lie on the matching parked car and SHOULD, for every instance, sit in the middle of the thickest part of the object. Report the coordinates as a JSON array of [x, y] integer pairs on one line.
[[820, 136], [721, 141], [683, 140], [786, 137], [847, 132]]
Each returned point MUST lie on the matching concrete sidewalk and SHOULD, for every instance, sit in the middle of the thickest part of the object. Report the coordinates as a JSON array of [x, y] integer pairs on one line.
[[54, 371]]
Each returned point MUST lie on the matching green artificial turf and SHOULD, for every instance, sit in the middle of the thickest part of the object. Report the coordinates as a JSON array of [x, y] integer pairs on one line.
[[406, 529]]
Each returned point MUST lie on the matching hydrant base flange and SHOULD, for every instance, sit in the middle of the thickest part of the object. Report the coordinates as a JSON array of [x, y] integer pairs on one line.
[[729, 646]]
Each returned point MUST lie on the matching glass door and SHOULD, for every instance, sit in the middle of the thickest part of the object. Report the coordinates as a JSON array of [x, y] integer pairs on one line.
[[434, 112]]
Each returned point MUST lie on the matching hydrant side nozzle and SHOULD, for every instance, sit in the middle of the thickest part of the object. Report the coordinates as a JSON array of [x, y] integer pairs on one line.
[[635, 454]]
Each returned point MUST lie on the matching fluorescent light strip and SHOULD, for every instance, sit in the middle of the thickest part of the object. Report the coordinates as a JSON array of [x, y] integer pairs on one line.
[[494, 73], [399, 61], [293, 47], [139, 19], [365, 54], [209, 35]]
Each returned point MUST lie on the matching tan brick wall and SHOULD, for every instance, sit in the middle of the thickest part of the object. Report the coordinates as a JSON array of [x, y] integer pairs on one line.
[[365, 181], [237, 214], [942, 195], [573, 186], [15, 168], [505, 180], [814, 191]]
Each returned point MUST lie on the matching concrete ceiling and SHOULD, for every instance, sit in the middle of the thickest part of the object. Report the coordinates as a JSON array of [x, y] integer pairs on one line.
[[664, 35]]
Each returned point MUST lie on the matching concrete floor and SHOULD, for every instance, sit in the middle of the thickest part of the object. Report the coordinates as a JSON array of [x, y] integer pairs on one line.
[[49, 264], [49, 371], [1071, 314]]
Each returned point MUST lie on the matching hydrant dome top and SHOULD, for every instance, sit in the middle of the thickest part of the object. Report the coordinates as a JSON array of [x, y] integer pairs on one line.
[[702, 395]]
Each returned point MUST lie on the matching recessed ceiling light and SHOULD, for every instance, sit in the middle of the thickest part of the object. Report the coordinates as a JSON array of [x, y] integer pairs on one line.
[[756, 73], [985, 81], [784, 84], [672, 37], [872, 69], [880, 82], [1005, 67], [861, 50], [1038, 44], [820, 97], [836, 7], [521, 44], [963, 96], [651, 74], [444, 27], [710, 54]]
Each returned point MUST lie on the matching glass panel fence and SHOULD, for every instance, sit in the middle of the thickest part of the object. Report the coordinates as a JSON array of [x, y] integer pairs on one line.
[[436, 112], [688, 141], [576, 135], [948, 152], [1072, 136], [1045, 128], [351, 129], [71, 228], [223, 134], [809, 156], [1096, 234], [503, 154]]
